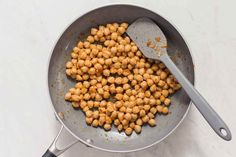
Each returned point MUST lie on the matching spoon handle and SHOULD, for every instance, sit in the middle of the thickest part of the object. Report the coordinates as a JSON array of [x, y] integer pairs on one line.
[[213, 119]]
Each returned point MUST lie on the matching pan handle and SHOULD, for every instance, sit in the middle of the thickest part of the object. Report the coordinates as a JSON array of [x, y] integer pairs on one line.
[[53, 151]]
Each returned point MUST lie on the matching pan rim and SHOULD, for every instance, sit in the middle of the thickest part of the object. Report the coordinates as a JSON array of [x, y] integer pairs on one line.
[[48, 66]]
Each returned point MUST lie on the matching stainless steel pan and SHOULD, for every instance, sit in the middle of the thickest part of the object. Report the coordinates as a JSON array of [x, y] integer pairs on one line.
[[73, 120]]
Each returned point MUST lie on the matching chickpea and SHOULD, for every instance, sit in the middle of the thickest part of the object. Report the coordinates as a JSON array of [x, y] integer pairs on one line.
[[152, 102], [157, 94], [142, 113], [152, 122], [89, 120], [162, 98], [90, 104], [127, 116], [150, 115], [127, 48], [124, 122], [161, 83], [116, 122], [165, 93], [118, 104], [106, 95], [139, 101], [119, 90], [128, 131], [146, 107], [101, 120], [106, 72], [159, 108], [120, 48], [111, 80], [153, 110], [90, 39], [165, 110], [135, 110], [75, 98], [150, 82], [145, 119], [95, 114], [95, 123], [153, 88], [68, 96], [133, 117], [121, 30], [118, 80], [107, 127], [139, 122], [94, 31], [120, 116], [120, 127]]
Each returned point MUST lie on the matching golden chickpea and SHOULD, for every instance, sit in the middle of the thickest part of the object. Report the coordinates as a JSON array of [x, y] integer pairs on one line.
[[162, 98], [75, 98], [118, 80], [138, 78], [153, 110], [114, 115], [98, 97], [124, 122], [139, 101], [150, 115], [86, 108], [101, 120], [90, 39], [144, 85], [165, 110], [163, 75], [165, 93], [114, 36], [150, 82], [152, 122], [167, 101], [106, 72], [120, 48], [159, 108], [95, 114], [137, 129], [133, 117], [119, 90], [146, 76], [145, 119], [118, 104], [128, 131], [146, 107], [158, 102], [127, 116], [120, 127], [139, 122], [127, 48], [106, 95], [161, 83], [68, 96], [90, 104], [108, 120], [157, 94], [86, 96], [153, 88], [125, 25], [136, 109], [111, 80], [134, 49], [142, 113], [68, 72], [107, 127], [121, 30], [141, 95], [95, 123], [106, 31], [152, 101], [94, 31], [120, 116], [89, 120], [116, 122], [122, 109]]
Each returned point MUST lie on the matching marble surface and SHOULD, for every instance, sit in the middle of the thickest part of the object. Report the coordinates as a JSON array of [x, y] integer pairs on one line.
[[28, 30]]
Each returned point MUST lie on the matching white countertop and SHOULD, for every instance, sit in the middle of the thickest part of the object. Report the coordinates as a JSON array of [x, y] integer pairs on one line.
[[28, 30]]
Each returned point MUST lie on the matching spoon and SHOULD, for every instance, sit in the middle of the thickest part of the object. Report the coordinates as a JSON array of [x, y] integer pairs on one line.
[[153, 44]]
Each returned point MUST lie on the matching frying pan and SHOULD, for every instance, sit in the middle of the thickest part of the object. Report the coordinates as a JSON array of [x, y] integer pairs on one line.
[[74, 120]]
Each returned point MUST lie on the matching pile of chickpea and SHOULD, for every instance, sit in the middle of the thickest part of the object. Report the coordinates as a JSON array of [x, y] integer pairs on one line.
[[116, 83]]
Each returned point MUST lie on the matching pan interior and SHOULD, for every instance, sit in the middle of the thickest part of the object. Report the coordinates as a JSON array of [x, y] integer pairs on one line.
[[59, 83]]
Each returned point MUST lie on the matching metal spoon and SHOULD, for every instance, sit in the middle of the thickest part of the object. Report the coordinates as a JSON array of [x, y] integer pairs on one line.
[[153, 44]]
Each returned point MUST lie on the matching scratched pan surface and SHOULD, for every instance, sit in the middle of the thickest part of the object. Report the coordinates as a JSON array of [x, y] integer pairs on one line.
[[74, 120]]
